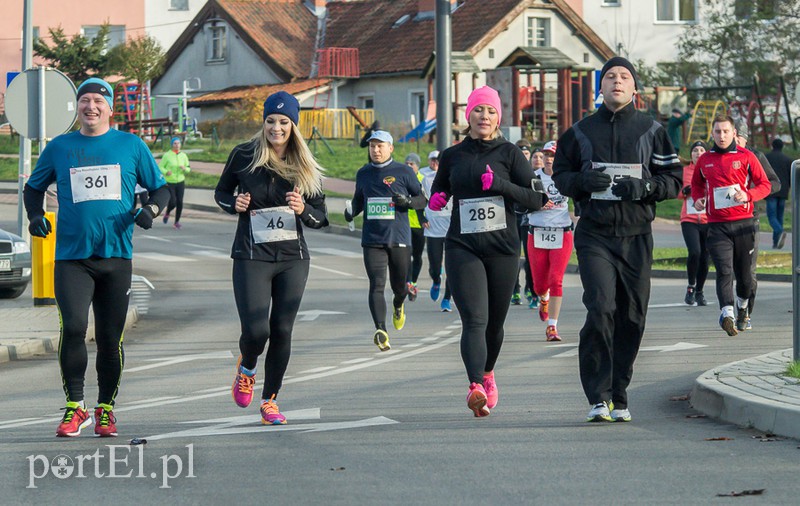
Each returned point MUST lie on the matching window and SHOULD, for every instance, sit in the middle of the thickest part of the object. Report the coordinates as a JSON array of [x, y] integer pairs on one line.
[[179, 5], [764, 9], [538, 32], [676, 11], [217, 42], [366, 102], [116, 34], [610, 3], [491, 53], [418, 105]]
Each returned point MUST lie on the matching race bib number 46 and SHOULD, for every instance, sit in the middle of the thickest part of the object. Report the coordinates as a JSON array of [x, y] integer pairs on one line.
[[273, 224], [482, 214], [98, 182], [723, 197]]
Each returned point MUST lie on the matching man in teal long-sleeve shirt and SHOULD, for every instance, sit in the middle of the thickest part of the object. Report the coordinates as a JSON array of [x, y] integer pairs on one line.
[[674, 128]]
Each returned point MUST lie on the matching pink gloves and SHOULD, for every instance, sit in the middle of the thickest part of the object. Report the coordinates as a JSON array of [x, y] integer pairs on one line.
[[487, 178], [437, 201]]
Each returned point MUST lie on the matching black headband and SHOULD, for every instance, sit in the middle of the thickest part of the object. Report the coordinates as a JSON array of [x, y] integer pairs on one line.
[[93, 88]]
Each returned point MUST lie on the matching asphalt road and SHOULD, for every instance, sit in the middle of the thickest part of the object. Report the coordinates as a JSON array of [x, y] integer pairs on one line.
[[383, 428]]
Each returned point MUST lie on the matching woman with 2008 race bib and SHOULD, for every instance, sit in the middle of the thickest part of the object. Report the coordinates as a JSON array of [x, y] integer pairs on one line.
[[279, 191], [485, 175]]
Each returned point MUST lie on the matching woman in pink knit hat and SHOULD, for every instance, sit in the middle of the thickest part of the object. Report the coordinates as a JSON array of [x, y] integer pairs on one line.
[[485, 175]]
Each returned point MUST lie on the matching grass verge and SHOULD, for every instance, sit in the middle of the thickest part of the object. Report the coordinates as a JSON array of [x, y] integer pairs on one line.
[[793, 370]]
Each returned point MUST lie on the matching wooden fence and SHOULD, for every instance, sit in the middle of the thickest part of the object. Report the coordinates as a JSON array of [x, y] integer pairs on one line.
[[333, 123]]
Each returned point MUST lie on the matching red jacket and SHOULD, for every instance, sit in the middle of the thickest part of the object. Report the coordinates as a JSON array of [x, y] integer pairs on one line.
[[695, 217], [721, 168]]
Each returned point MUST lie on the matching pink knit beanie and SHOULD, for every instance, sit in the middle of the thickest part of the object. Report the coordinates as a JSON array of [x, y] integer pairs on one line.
[[484, 95]]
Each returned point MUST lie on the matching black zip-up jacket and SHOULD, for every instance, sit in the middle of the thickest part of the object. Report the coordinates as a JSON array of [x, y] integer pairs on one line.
[[459, 177], [267, 189], [627, 136]]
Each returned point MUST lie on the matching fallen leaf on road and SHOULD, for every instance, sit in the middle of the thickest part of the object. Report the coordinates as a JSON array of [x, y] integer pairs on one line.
[[679, 398], [723, 438], [758, 491], [767, 437]]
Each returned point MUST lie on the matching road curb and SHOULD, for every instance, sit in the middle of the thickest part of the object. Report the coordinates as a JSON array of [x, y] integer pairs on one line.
[[732, 394], [49, 344]]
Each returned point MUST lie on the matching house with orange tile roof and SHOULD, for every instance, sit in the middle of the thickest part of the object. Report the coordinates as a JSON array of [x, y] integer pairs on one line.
[[240, 47]]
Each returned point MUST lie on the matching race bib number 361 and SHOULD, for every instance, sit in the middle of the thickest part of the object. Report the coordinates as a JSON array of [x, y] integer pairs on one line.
[[273, 224], [482, 215], [98, 182]]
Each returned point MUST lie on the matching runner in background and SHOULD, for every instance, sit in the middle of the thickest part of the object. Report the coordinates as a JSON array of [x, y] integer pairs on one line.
[[416, 220], [174, 166], [550, 246], [438, 222], [522, 223], [274, 185], [694, 226]]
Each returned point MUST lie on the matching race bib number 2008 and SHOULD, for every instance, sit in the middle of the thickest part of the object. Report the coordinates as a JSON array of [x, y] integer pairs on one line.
[[98, 182]]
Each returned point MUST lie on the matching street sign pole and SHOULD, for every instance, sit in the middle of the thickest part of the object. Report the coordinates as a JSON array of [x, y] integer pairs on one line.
[[795, 263], [444, 106], [24, 142]]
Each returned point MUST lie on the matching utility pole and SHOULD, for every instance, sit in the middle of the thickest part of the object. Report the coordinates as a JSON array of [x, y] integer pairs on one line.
[[444, 106]]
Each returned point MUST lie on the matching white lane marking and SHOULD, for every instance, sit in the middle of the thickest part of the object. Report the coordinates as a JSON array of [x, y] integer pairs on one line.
[[204, 246], [429, 339], [297, 414], [335, 252], [412, 345], [313, 314], [160, 257], [453, 327], [392, 356], [144, 401], [153, 238], [162, 362], [357, 360], [317, 369], [209, 253], [442, 333], [671, 304], [347, 274], [673, 347], [312, 427]]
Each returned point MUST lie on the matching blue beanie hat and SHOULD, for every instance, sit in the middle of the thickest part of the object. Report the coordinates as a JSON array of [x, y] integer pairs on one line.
[[96, 85], [282, 103], [172, 141]]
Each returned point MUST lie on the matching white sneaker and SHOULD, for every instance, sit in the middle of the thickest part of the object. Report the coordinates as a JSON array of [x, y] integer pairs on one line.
[[599, 413], [620, 415]]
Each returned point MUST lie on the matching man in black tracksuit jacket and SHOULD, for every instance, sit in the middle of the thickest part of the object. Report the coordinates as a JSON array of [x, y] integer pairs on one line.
[[613, 237]]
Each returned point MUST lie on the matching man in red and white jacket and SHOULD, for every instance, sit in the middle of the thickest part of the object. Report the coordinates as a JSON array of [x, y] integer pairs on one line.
[[727, 182]]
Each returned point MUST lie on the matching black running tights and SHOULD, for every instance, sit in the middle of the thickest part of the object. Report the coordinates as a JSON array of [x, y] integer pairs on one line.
[[376, 259]]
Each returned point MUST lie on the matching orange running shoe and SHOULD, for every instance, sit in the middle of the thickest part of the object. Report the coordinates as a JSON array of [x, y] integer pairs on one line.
[[552, 333]]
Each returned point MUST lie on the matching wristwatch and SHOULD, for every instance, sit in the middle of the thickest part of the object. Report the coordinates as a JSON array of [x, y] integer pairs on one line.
[[154, 209]]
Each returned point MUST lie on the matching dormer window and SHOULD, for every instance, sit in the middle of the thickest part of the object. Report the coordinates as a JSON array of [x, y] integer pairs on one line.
[[217, 37]]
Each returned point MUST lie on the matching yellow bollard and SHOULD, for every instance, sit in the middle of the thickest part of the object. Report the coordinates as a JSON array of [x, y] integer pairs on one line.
[[43, 266]]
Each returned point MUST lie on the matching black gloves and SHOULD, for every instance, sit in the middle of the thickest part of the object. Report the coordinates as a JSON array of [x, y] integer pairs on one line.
[[401, 201], [40, 226], [537, 185], [632, 188], [348, 216], [144, 216], [687, 190], [594, 180]]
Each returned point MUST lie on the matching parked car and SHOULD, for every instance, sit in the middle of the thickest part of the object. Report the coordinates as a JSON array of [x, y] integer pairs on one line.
[[15, 265]]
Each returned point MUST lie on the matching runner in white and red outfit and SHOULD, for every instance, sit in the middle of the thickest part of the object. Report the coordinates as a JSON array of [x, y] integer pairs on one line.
[[550, 246], [722, 185], [694, 226]]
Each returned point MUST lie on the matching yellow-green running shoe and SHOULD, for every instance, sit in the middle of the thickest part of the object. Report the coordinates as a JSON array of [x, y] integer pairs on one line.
[[399, 317]]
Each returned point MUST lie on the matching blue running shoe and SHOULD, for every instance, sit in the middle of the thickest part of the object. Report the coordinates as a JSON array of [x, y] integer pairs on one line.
[[534, 302], [446, 307], [435, 291]]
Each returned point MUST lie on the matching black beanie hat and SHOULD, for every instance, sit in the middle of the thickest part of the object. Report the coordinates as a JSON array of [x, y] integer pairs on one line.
[[698, 143], [619, 61]]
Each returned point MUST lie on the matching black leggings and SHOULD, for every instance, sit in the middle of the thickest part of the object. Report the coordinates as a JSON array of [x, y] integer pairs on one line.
[[435, 247], [482, 288], [255, 285], [176, 199], [524, 262], [695, 235], [417, 247], [376, 259], [104, 284]]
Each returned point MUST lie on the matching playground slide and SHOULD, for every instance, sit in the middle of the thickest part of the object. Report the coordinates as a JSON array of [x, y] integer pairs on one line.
[[419, 131]]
